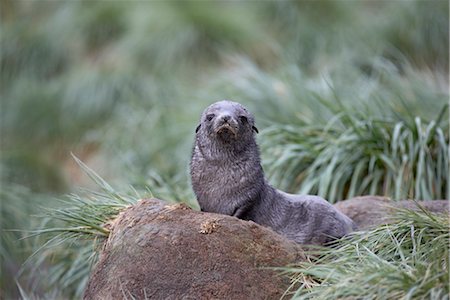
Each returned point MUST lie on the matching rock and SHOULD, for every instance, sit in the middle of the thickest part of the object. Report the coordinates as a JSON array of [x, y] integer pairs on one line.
[[161, 251], [370, 211]]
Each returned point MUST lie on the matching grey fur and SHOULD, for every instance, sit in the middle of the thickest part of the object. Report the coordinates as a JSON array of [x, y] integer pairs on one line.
[[227, 178]]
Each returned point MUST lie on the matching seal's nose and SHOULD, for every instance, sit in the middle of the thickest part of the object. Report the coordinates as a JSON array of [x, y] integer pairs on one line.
[[224, 118]]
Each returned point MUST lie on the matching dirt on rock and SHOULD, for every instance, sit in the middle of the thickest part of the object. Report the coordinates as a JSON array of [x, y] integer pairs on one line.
[[370, 211], [161, 251]]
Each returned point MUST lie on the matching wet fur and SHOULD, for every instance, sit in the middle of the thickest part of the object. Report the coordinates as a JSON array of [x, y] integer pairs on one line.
[[227, 178]]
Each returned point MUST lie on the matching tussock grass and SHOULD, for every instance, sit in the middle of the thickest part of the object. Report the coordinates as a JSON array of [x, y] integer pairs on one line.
[[85, 216], [71, 234], [408, 259], [379, 135], [16, 215], [353, 156], [431, 31], [188, 35]]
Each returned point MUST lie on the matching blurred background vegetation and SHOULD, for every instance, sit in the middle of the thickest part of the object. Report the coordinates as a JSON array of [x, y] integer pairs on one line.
[[351, 98]]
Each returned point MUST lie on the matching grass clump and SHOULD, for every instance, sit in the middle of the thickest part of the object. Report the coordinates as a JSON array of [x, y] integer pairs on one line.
[[70, 236], [353, 156], [15, 213], [380, 134], [408, 259]]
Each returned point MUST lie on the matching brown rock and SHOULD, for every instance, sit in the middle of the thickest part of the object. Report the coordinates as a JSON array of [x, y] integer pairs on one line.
[[370, 211], [160, 251]]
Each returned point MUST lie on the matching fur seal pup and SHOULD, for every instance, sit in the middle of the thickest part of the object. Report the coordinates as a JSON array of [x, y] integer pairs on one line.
[[227, 178]]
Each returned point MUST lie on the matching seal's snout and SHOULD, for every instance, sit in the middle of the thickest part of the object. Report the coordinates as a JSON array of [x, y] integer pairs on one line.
[[226, 126], [225, 118]]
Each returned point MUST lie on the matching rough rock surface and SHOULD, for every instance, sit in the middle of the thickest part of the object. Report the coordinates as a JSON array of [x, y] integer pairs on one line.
[[369, 211], [161, 251]]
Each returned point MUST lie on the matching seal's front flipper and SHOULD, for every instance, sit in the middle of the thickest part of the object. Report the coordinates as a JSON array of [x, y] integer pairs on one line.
[[241, 212]]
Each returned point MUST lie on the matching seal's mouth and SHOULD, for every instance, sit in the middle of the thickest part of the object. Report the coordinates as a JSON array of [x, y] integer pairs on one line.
[[226, 130]]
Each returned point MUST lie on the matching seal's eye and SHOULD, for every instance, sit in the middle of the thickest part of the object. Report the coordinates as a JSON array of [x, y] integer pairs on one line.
[[243, 119], [210, 117]]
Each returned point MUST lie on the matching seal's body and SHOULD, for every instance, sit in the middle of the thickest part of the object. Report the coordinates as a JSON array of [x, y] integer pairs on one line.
[[227, 178]]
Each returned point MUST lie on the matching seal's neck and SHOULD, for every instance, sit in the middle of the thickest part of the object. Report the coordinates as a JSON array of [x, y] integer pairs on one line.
[[216, 149]]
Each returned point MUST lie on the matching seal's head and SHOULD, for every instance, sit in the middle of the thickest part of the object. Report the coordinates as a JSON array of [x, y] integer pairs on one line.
[[227, 121]]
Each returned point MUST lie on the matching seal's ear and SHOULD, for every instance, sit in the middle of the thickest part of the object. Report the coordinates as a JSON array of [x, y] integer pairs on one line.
[[255, 129], [198, 127]]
